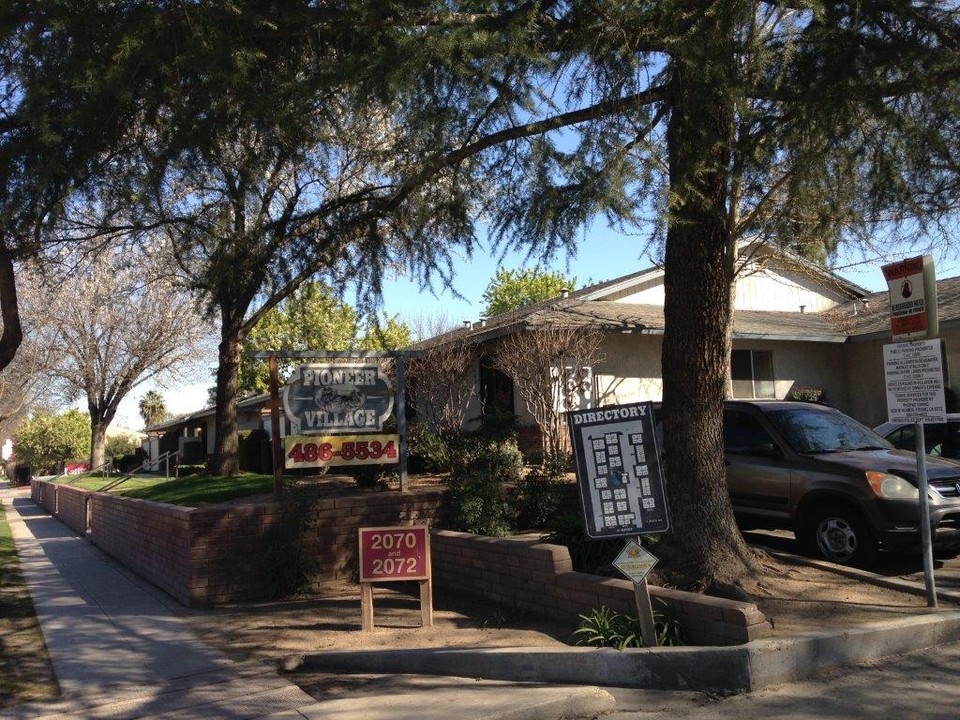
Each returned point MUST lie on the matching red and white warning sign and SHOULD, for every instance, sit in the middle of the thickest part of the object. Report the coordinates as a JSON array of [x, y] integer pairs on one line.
[[913, 298]]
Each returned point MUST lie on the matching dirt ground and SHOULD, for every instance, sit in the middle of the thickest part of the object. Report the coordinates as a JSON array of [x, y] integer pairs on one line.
[[795, 597]]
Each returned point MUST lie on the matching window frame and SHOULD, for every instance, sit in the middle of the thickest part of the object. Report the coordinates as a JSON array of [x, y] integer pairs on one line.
[[754, 381]]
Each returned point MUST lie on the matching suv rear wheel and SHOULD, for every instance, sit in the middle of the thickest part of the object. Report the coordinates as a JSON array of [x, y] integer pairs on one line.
[[839, 534]]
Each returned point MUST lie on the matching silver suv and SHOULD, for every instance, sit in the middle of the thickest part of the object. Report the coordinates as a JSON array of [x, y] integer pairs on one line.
[[842, 489]]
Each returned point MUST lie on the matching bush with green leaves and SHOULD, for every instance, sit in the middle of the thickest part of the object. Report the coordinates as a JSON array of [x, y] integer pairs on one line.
[[255, 452], [370, 477], [130, 461], [604, 627], [119, 445], [588, 556], [538, 497], [46, 439], [429, 451], [478, 486]]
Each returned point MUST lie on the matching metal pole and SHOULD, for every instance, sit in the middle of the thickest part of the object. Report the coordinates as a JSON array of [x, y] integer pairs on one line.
[[925, 516], [275, 426]]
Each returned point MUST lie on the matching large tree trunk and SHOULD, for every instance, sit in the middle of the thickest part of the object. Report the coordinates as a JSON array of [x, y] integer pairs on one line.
[[98, 443], [227, 445], [9, 308], [100, 420], [699, 271]]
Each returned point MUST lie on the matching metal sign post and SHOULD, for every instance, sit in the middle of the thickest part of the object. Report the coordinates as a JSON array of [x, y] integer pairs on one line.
[[914, 374], [925, 538]]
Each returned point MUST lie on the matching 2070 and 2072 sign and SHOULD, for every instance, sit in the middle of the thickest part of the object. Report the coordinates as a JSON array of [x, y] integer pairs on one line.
[[336, 413]]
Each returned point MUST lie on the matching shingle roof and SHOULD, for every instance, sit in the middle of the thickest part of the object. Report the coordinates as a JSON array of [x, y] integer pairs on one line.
[[851, 319], [875, 318]]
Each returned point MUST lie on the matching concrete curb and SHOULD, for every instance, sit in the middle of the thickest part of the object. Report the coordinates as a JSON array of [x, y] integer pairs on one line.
[[743, 668], [527, 703]]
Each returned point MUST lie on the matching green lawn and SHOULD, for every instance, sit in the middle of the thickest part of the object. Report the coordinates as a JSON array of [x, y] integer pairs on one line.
[[189, 491], [98, 482], [25, 671], [194, 490]]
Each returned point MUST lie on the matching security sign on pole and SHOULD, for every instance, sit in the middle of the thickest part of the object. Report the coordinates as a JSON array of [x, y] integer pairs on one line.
[[914, 374], [913, 299]]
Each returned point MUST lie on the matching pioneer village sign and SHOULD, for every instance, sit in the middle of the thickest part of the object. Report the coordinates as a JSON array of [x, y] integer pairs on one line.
[[336, 410], [337, 398]]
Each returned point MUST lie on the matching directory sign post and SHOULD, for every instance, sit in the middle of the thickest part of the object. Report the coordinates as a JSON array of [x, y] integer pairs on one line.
[[618, 470]]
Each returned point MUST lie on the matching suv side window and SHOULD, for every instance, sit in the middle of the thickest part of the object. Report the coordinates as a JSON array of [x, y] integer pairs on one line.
[[744, 435]]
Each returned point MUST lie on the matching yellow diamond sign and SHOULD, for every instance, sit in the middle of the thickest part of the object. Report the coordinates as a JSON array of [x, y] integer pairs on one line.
[[634, 561]]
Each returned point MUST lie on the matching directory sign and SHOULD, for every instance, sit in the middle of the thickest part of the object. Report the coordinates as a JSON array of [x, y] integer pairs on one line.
[[618, 470]]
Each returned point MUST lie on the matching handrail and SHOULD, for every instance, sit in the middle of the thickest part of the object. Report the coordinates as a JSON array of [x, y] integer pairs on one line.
[[127, 475], [105, 471]]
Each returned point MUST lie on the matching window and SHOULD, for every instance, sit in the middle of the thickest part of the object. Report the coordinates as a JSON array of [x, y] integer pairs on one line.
[[744, 435], [752, 373]]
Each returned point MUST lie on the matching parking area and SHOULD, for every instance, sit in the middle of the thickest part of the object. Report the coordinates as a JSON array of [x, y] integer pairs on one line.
[[908, 566]]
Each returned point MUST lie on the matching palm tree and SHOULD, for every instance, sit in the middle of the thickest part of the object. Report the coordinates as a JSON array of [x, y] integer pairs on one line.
[[153, 409]]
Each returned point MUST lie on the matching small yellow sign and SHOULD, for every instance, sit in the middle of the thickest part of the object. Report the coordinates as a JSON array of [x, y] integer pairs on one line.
[[307, 451], [634, 561]]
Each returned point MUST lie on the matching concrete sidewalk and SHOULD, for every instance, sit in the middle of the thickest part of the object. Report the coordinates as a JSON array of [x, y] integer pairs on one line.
[[119, 651]]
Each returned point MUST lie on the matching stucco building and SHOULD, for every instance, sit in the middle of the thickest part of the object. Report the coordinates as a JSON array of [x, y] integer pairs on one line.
[[796, 327]]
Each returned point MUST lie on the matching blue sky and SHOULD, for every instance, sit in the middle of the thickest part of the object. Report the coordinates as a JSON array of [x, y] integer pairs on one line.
[[601, 255]]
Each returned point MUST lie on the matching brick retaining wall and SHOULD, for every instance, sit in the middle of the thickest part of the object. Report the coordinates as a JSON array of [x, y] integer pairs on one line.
[[205, 556], [44, 494], [72, 507], [539, 578], [232, 547], [152, 539]]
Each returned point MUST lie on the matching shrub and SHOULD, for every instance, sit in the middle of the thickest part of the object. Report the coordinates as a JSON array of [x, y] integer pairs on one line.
[[118, 446], [477, 487], [538, 497], [371, 476], [45, 439], [287, 566], [804, 393], [604, 627], [496, 424], [130, 461], [589, 556], [429, 452], [255, 452]]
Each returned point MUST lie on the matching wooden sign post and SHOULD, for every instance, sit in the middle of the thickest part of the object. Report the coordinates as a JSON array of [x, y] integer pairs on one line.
[[393, 554], [635, 562]]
